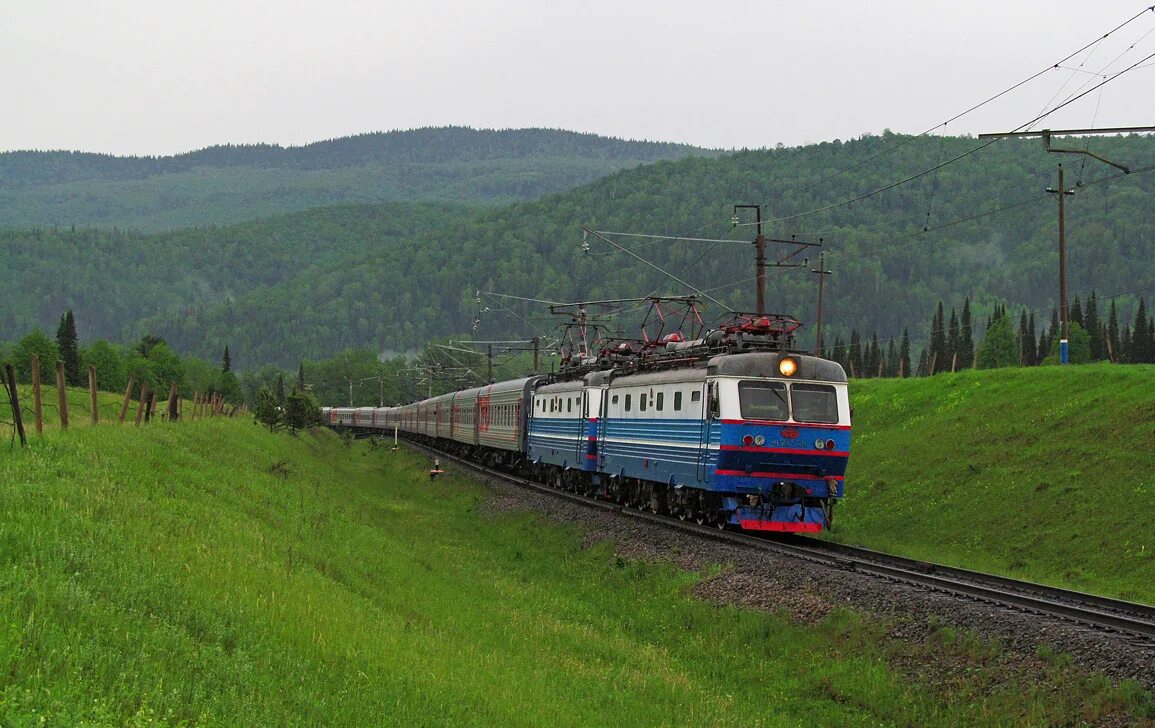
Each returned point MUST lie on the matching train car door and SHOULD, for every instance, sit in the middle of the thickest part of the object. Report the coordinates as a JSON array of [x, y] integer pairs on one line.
[[709, 392]]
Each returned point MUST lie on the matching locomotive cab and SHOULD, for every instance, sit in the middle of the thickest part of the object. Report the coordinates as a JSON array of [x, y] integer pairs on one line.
[[784, 440]]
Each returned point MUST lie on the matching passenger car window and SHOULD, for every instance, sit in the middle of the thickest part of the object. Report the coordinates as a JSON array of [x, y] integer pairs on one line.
[[627, 403], [661, 398], [677, 401]]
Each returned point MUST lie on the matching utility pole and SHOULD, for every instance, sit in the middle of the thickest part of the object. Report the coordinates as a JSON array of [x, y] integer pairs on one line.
[[759, 255], [822, 273], [350, 391], [1065, 335], [1062, 192], [489, 350], [536, 354]]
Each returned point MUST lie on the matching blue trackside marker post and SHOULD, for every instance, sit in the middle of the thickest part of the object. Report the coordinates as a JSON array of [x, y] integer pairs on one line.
[[1064, 356]]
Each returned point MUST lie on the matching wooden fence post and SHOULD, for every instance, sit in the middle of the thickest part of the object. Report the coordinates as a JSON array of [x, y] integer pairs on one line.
[[151, 407], [37, 408], [63, 395], [143, 402], [10, 385], [127, 397], [92, 394], [173, 414], [192, 414]]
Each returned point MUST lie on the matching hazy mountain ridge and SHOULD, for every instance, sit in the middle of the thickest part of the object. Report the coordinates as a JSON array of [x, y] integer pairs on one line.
[[233, 183]]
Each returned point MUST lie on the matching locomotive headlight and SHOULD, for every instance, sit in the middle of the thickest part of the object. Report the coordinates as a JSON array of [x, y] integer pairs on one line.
[[787, 366], [819, 444], [759, 440]]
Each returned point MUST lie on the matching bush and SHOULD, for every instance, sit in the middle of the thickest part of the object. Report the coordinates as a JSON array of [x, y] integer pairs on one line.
[[301, 411], [266, 410]]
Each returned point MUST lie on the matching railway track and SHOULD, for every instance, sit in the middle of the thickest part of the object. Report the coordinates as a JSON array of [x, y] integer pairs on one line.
[[1113, 615]]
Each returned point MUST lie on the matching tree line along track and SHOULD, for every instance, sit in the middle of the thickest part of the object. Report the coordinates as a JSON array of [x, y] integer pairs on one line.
[[1129, 618]]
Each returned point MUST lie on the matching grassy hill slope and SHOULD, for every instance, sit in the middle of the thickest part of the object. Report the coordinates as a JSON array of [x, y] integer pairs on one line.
[[212, 573], [1046, 474]]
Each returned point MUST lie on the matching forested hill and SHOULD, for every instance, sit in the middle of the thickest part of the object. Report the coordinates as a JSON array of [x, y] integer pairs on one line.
[[233, 183], [982, 227]]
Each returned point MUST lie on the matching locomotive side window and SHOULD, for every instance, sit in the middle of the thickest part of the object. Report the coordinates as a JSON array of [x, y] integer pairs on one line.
[[642, 402], [661, 399], [814, 403], [677, 401], [763, 401], [627, 403], [696, 395]]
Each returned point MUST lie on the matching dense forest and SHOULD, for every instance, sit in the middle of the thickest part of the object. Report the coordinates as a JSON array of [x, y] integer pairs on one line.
[[226, 184], [391, 277]]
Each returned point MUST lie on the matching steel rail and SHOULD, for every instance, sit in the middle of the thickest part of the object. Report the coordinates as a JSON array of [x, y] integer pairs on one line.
[[1101, 612]]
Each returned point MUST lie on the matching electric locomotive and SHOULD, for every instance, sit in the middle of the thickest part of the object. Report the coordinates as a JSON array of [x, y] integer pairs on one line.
[[732, 429]]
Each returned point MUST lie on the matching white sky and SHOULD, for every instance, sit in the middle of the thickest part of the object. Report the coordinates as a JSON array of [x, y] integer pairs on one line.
[[161, 77]]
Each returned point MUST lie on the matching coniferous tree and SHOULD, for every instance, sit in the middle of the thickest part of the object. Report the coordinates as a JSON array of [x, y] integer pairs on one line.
[[281, 389], [923, 364], [1113, 348], [1148, 339], [226, 361], [301, 376], [1024, 359], [1139, 353], [66, 341], [904, 356], [891, 359], [838, 354], [952, 343], [936, 357], [1032, 330], [874, 364], [966, 354]]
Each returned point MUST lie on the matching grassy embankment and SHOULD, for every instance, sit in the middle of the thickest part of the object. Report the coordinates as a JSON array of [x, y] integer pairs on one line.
[[210, 572], [1046, 474]]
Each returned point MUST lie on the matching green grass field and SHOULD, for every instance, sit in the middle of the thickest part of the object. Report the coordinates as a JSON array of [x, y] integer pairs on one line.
[[1046, 474], [212, 573]]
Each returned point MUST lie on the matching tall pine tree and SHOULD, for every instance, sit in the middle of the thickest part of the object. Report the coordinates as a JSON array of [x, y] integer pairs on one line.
[[66, 340], [952, 343], [966, 353], [1113, 343], [936, 357]]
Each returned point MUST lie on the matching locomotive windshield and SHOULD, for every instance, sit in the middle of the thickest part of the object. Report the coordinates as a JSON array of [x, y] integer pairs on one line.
[[763, 401], [814, 403], [768, 401]]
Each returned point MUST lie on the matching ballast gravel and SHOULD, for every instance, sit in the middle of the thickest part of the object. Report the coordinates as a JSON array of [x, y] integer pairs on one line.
[[808, 591]]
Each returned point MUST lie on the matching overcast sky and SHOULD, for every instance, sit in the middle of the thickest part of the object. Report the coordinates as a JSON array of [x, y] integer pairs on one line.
[[158, 77]]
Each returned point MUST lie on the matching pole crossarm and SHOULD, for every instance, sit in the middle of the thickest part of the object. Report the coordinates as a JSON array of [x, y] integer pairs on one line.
[[1048, 134]]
